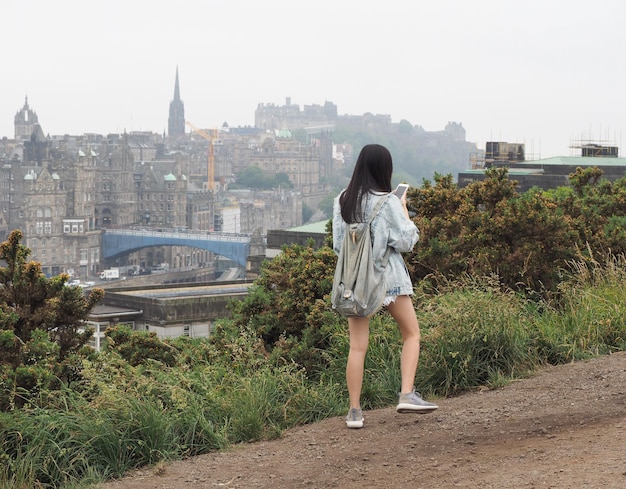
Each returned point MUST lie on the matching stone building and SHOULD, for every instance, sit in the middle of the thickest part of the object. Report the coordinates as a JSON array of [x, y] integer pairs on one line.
[[283, 154], [201, 213], [48, 193], [58, 225], [262, 210], [289, 116], [143, 145], [160, 190], [114, 186]]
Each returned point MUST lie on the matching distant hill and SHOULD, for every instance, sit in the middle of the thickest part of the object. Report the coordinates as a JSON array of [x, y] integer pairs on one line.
[[417, 153]]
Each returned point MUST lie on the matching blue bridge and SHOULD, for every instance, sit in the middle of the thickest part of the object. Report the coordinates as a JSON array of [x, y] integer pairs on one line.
[[117, 242]]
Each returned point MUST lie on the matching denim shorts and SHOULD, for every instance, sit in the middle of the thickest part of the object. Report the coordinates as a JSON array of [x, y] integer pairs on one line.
[[391, 295]]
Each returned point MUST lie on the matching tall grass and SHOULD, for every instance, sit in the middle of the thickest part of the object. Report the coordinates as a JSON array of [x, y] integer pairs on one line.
[[474, 333], [590, 316]]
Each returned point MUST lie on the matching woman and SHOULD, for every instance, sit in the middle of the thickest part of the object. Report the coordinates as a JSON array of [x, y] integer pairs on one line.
[[392, 227]]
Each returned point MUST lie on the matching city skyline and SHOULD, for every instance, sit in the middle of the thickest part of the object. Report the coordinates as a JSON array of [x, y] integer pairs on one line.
[[545, 74]]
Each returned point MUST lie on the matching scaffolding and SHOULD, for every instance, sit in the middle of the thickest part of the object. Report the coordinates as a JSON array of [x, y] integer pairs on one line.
[[594, 148]]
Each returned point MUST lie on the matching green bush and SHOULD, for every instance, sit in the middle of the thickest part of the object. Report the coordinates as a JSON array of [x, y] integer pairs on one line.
[[526, 239], [285, 306], [139, 346]]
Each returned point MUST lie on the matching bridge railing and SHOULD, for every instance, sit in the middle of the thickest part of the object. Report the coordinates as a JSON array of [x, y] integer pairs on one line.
[[174, 233]]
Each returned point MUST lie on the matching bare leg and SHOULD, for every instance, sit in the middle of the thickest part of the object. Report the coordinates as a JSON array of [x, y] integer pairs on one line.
[[403, 312], [359, 339]]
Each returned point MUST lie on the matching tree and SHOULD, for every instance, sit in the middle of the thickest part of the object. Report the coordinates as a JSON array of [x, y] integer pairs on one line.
[[326, 204], [255, 177], [284, 306], [41, 322], [252, 177], [282, 179]]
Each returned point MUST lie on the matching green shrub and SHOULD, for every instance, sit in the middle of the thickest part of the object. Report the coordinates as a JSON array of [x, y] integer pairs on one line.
[[284, 307], [139, 346]]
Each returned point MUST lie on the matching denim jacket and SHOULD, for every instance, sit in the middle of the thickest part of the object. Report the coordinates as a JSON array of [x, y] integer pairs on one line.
[[391, 227]]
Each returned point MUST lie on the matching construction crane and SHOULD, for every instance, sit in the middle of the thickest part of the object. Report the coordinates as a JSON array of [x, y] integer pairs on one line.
[[211, 158]]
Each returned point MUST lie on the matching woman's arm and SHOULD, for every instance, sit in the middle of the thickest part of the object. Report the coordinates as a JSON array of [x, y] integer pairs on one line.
[[402, 233]]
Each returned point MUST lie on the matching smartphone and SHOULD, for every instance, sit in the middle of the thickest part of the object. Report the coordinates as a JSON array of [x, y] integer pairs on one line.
[[401, 190]]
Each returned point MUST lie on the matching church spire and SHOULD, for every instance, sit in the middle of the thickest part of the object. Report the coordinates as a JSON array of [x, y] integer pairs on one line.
[[25, 121], [176, 88], [176, 121]]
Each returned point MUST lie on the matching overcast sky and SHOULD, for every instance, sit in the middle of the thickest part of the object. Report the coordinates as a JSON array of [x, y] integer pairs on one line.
[[546, 73]]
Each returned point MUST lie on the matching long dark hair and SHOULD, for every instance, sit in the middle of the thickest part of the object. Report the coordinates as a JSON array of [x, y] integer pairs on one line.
[[372, 173]]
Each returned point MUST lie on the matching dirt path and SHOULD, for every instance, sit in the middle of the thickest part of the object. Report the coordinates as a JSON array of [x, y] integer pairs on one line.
[[565, 427]]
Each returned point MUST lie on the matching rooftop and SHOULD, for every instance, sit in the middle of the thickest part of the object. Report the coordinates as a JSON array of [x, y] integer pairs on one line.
[[314, 227], [578, 161]]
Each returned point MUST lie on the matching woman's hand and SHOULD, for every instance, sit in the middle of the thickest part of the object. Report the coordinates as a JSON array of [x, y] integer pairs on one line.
[[403, 200]]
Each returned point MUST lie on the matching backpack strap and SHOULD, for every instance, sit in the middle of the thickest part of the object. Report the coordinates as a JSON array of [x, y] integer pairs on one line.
[[374, 213], [377, 207]]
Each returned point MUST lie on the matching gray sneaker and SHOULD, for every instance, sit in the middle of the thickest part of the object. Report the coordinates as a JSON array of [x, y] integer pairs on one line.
[[354, 419], [413, 403]]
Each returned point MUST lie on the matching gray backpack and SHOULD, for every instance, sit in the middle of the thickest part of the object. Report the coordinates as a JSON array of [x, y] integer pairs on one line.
[[359, 286]]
